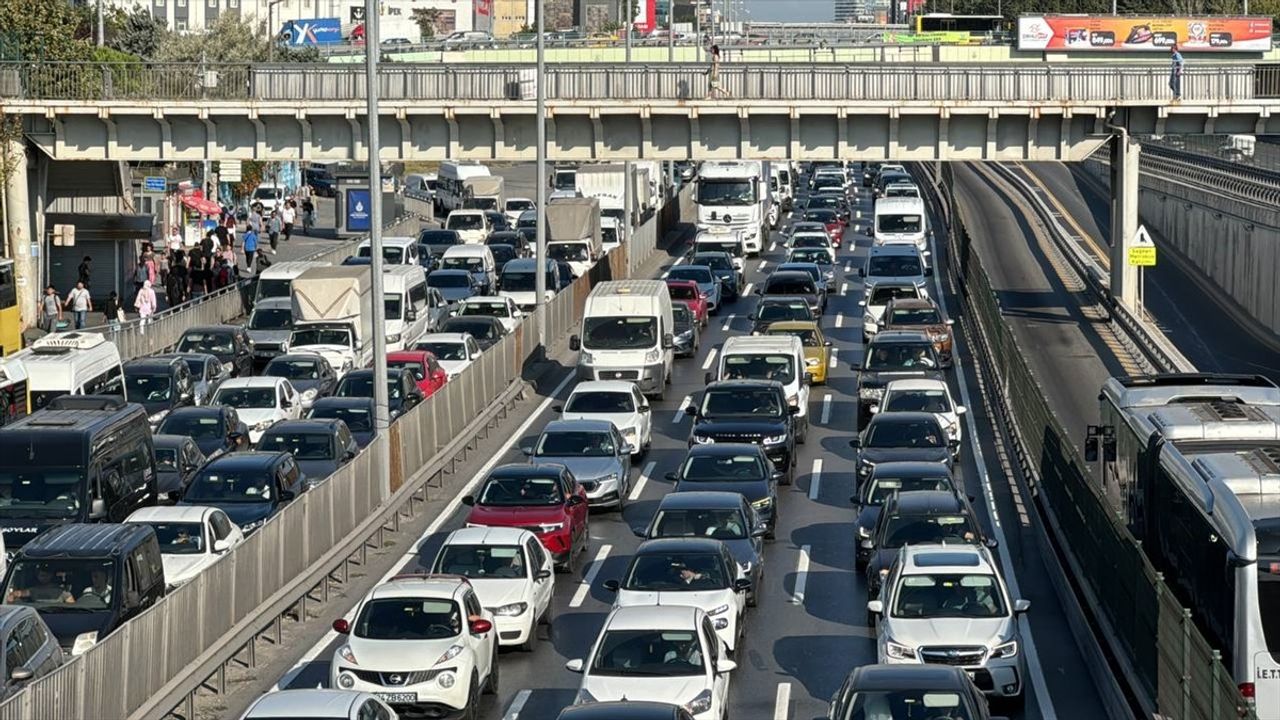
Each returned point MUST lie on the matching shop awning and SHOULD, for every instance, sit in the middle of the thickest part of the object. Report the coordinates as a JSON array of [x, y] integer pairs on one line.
[[201, 205]]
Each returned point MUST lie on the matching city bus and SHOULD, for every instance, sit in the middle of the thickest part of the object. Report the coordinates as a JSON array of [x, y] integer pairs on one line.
[[10, 320]]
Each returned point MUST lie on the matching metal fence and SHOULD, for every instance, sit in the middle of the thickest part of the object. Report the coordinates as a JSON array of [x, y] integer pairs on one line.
[[158, 660], [1174, 669], [925, 82]]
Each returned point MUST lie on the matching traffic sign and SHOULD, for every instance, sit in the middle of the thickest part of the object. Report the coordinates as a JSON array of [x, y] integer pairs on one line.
[[229, 171], [1142, 251], [154, 183]]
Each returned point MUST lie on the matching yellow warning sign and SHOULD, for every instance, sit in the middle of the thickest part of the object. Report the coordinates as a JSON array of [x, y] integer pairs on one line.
[[1142, 256]]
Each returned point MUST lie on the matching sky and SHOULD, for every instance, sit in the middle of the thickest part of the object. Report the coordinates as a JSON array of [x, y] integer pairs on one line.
[[794, 10]]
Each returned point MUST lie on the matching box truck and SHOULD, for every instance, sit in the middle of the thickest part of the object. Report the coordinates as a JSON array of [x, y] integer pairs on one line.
[[333, 315], [573, 232]]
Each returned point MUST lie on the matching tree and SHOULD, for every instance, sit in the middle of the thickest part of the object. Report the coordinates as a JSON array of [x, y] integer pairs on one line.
[[139, 33], [228, 40], [426, 18], [43, 30]]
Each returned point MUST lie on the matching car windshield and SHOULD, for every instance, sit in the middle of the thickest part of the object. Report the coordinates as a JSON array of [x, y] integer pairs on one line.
[[596, 401], [485, 309], [502, 253], [899, 356], [357, 419], [691, 572], [361, 385], [726, 192], [619, 333], [419, 372], [476, 328], [148, 388], [449, 280], [948, 595], [932, 401], [882, 294], [179, 538], [683, 292], [391, 254], [715, 262], [408, 618], [716, 524], [882, 488], [734, 248], [901, 191], [893, 266], [320, 336], [915, 316], [810, 240], [681, 316], [213, 343], [796, 285], [196, 427], [519, 205], [246, 397], [817, 256], [808, 336], [927, 529], [522, 490], [827, 181], [40, 491], [649, 653], [465, 221], [760, 367], [722, 468], [775, 311], [271, 319], [608, 236], [303, 446], [739, 401], [700, 275], [166, 458], [924, 704], [515, 281], [266, 193], [470, 264], [196, 366], [481, 561], [820, 202], [444, 350], [904, 434], [569, 252], [826, 216], [61, 586], [573, 443], [213, 485], [293, 369], [898, 223], [439, 237]]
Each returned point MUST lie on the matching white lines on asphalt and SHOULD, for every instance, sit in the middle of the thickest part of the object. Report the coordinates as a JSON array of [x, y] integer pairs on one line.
[[747, 290], [679, 416], [678, 261], [857, 214], [773, 246], [834, 353], [826, 409], [517, 704], [415, 548], [815, 479], [638, 489], [728, 322], [802, 576], [781, 702], [665, 275], [711, 358], [584, 588], [839, 319], [848, 267], [844, 287], [763, 264]]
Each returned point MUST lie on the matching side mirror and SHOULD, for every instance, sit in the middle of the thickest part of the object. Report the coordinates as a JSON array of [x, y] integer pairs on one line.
[[777, 476], [725, 665], [873, 409], [807, 379], [411, 314], [1021, 606], [98, 509], [22, 673], [826, 343], [991, 543], [671, 476], [221, 546], [341, 626], [527, 450], [960, 410], [862, 303], [742, 585], [469, 500], [758, 291], [612, 585], [480, 626], [950, 321], [853, 500], [928, 271], [574, 665], [644, 409], [862, 272], [628, 449], [557, 408], [575, 501], [287, 495], [875, 607], [668, 341], [690, 410], [759, 531], [867, 545], [855, 443], [575, 342], [708, 378], [542, 574]]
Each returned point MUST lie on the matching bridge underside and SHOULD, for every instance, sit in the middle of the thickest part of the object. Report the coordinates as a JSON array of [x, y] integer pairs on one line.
[[628, 130]]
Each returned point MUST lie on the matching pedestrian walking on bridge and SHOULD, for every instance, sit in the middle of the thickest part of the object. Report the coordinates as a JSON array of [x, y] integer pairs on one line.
[[1175, 73]]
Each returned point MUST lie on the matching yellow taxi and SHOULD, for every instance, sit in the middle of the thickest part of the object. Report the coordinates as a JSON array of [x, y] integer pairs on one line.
[[817, 349]]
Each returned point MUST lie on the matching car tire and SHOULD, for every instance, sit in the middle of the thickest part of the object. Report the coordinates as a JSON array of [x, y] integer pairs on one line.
[[472, 711], [491, 682], [532, 641]]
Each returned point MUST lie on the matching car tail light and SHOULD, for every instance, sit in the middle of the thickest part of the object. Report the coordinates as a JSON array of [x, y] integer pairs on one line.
[[1248, 691]]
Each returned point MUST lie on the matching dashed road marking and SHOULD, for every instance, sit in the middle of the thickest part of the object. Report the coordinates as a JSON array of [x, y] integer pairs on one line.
[[826, 409], [728, 322], [638, 489], [517, 704], [680, 416], [711, 358], [584, 588], [815, 479], [802, 576], [782, 702]]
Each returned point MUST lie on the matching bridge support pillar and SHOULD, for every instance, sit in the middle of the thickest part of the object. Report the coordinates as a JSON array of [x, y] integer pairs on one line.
[[17, 218], [1125, 152]]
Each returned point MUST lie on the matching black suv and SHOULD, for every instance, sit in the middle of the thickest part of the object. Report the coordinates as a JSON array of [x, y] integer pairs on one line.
[[159, 385], [229, 343], [721, 264], [893, 355], [748, 411], [902, 437], [777, 308], [887, 686], [918, 518], [737, 468], [886, 480], [795, 283]]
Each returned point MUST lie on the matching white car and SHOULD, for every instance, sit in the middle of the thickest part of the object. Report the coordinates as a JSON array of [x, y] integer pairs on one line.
[[947, 604], [515, 207], [662, 653], [494, 306], [925, 395], [617, 401], [191, 538], [809, 238], [397, 250], [699, 572], [511, 573], [454, 351], [260, 401], [472, 226], [313, 703], [419, 642], [877, 299]]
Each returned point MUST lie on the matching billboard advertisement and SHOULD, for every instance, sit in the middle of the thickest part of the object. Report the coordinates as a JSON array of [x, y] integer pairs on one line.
[[645, 20], [358, 210], [1139, 33], [316, 31]]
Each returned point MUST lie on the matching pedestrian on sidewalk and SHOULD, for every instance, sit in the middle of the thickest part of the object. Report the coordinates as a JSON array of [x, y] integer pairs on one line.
[[287, 216], [181, 278], [145, 304], [308, 214], [199, 272], [112, 312], [1175, 72], [80, 303], [273, 231], [140, 276], [250, 247], [713, 74], [175, 239], [82, 272], [50, 309]]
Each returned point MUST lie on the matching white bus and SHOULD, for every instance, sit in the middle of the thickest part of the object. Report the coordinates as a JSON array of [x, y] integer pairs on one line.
[[451, 191], [72, 363]]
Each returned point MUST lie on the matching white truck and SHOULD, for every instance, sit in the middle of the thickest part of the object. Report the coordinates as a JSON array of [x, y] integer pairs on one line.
[[486, 192], [450, 183], [736, 195], [627, 334], [573, 233], [607, 184], [333, 316]]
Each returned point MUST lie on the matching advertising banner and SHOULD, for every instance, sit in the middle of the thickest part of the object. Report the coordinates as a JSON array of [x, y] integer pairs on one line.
[[316, 31], [484, 8], [1139, 33], [358, 210], [645, 19]]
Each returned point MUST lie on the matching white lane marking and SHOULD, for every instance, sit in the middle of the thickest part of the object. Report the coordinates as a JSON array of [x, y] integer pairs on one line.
[[848, 267], [773, 246], [802, 576], [844, 287], [826, 409], [815, 479], [839, 319], [1033, 657], [711, 358], [763, 264], [782, 702], [747, 290], [584, 588], [857, 214], [665, 275], [679, 416], [727, 322], [415, 548], [834, 353], [644, 478], [678, 261], [517, 704]]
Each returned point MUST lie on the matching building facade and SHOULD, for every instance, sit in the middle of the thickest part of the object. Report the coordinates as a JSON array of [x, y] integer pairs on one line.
[[396, 19]]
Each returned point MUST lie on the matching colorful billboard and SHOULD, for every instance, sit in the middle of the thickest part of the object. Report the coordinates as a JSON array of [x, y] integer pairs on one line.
[[318, 31], [645, 20], [1139, 33]]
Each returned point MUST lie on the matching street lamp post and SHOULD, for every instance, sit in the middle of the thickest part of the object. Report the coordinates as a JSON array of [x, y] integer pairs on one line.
[[272, 35], [626, 25], [540, 256], [382, 414]]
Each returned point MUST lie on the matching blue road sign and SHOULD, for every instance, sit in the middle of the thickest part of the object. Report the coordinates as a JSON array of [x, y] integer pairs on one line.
[[153, 183]]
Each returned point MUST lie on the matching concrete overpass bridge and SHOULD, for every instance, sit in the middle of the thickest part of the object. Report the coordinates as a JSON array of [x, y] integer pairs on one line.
[[970, 111]]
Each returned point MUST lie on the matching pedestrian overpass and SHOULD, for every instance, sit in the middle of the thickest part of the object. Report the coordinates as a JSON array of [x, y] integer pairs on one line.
[[611, 112]]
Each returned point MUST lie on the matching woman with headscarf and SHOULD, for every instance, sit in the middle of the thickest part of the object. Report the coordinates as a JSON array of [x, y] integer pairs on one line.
[[145, 302]]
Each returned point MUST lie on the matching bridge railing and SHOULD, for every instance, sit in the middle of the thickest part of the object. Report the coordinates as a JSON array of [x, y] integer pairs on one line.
[[925, 82]]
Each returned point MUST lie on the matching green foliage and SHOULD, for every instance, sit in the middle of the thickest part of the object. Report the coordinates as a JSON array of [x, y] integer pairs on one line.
[[426, 18], [251, 174], [44, 29], [111, 55], [228, 40], [137, 33]]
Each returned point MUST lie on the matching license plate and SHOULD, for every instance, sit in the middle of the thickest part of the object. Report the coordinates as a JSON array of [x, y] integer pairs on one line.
[[397, 698]]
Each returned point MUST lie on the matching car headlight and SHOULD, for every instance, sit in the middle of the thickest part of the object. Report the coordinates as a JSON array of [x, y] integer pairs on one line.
[[395, 338], [775, 439], [585, 697], [720, 610], [611, 477], [227, 367], [551, 527], [158, 417], [347, 654], [700, 704], [720, 623], [938, 337], [84, 641], [793, 400], [864, 533], [346, 681], [899, 652], [511, 610], [703, 440], [869, 320], [685, 336], [451, 653], [251, 526], [653, 355], [586, 358], [309, 394], [630, 435], [865, 466], [870, 393], [446, 679], [1006, 650], [811, 362], [762, 503]]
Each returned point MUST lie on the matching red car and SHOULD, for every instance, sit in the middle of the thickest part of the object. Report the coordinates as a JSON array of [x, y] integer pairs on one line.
[[686, 291], [545, 499], [426, 371], [830, 219]]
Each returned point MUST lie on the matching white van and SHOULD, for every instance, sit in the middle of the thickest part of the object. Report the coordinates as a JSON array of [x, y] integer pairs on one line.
[[769, 357], [451, 183], [396, 250], [268, 196], [901, 221], [627, 334], [404, 298], [472, 226], [478, 260], [72, 363], [277, 280]]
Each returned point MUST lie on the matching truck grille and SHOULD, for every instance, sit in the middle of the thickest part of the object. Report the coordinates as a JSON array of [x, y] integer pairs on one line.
[[962, 656], [617, 374], [397, 679]]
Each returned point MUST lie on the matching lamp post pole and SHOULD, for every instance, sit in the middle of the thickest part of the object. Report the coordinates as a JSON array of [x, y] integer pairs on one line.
[[540, 257], [382, 414]]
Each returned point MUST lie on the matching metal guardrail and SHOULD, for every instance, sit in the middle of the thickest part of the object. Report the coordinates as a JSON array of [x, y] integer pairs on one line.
[[1166, 662], [158, 660], [1239, 180], [1070, 83]]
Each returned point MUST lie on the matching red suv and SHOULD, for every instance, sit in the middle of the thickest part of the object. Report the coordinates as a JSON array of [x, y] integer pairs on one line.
[[426, 370], [686, 291], [543, 499]]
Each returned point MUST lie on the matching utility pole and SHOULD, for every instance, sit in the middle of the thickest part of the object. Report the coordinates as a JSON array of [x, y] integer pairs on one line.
[[17, 218], [102, 32], [382, 413], [540, 256]]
